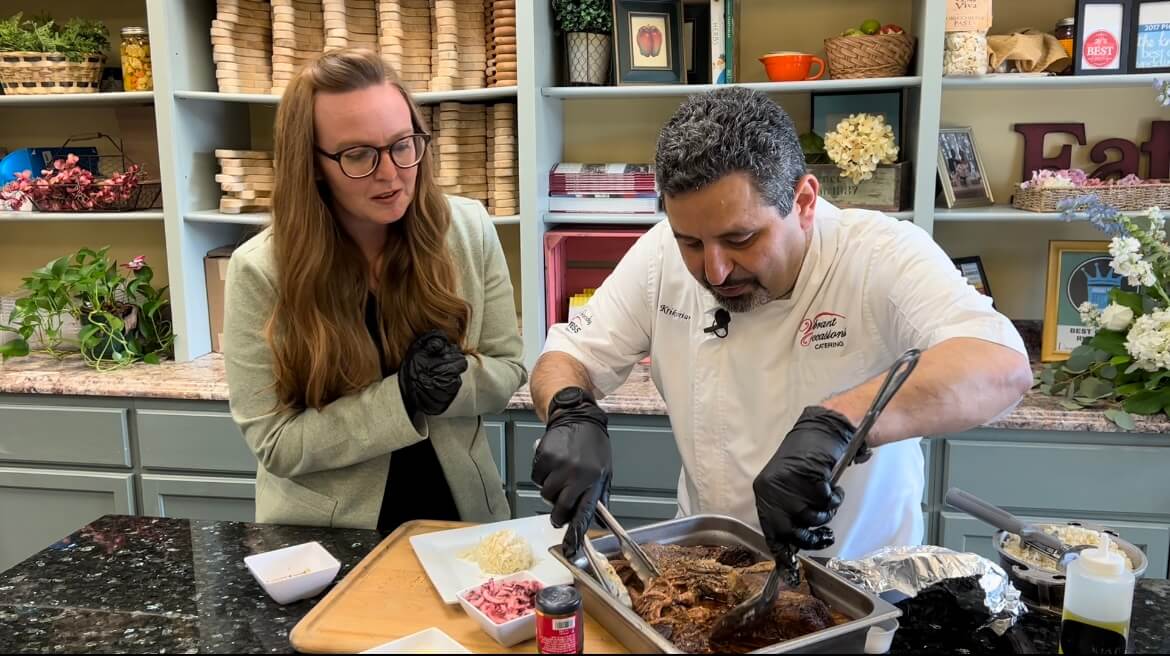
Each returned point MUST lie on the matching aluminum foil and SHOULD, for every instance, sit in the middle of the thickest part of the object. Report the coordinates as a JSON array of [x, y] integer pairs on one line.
[[909, 570]]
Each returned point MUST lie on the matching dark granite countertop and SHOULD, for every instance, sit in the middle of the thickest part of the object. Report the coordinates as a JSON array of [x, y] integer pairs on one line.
[[142, 584]]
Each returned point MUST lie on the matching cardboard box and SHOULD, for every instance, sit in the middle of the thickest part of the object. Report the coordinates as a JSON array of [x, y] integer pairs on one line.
[[215, 267]]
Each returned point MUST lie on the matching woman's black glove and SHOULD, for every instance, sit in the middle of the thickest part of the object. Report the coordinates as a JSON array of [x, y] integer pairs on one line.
[[431, 374]]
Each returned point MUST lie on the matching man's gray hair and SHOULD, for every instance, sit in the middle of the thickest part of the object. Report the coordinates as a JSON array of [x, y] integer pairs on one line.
[[726, 131]]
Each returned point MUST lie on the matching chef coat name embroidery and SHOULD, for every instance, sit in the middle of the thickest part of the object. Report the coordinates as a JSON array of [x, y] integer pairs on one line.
[[673, 313], [826, 330], [582, 320]]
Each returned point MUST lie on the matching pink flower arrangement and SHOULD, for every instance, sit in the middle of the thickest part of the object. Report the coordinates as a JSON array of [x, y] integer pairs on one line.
[[67, 187], [1070, 178], [136, 263]]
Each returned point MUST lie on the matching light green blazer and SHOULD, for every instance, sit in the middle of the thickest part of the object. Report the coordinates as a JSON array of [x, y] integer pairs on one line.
[[329, 467]]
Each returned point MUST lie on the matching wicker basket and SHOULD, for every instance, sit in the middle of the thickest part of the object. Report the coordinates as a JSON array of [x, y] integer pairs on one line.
[[1133, 198], [878, 55], [40, 73]]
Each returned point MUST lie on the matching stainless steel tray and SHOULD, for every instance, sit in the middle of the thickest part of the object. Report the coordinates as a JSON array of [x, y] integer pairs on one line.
[[864, 609]]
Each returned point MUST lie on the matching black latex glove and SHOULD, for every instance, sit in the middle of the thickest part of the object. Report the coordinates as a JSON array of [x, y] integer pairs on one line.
[[573, 466], [793, 496], [430, 376]]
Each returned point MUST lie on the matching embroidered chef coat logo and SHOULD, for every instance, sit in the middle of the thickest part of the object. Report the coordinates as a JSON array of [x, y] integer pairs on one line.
[[824, 331], [673, 313], [580, 321]]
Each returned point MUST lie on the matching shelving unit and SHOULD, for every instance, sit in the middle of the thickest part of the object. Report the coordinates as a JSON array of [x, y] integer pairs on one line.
[[80, 99], [422, 98], [681, 90], [1040, 83], [193, 119], [148, 215]]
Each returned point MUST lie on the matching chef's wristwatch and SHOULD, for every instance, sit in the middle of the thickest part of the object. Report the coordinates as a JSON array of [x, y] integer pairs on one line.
[[569, 397]]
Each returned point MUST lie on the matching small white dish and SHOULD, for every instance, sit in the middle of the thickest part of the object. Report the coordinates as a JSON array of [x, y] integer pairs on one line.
[[880, 636], [427, 641], [294, 573], [440, 554], [511, 632]]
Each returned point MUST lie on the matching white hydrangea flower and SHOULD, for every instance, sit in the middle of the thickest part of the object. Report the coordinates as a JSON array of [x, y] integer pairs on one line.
[[1157, 224], [859, 143], [1128, 261], [1116, 317], [1090, 315], [1148, 342]]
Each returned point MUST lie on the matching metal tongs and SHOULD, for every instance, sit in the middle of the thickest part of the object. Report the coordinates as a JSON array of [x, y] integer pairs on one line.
[[643, 566], [751, 611]]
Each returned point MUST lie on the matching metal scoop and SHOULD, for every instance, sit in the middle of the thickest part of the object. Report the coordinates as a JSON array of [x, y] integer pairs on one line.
[[1030, 535], [753, 610]]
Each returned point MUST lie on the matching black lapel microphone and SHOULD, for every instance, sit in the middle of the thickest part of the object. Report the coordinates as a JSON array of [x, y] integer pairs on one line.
[[722, 321]]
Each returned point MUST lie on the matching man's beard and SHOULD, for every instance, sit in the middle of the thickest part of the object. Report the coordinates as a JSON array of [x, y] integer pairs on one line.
[[753, 298]]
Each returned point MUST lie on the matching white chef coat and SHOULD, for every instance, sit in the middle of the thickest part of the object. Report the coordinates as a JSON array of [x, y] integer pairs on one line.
[[870, 288]]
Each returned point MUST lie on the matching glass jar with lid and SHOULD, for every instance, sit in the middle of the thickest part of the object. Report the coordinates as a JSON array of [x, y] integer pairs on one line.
[[1066, 33], [135, 51]]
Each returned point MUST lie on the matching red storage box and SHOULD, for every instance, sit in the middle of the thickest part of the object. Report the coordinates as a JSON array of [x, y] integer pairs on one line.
[[580, 258]]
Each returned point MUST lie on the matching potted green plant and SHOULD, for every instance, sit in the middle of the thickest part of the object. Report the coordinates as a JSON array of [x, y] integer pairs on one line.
[[124, 319], [38, 56], [587, 25]]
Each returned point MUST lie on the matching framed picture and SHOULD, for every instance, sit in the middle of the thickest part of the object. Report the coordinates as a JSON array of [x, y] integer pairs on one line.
[[829, 108], [1078, 271], [964, 179], [1102, 41], [1149, 37], [972, 270], [648, 41], [696, 42]]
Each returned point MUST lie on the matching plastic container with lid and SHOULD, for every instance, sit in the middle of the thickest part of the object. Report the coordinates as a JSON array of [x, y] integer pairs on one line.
[[965, 54], [135, 51], [1098, 602]]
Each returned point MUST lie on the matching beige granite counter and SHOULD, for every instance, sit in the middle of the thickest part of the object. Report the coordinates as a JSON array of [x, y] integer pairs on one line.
[[203, 380]]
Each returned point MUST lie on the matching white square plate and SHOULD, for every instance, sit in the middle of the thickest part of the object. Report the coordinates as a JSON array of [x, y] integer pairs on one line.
[[439, 554], [429, 641]]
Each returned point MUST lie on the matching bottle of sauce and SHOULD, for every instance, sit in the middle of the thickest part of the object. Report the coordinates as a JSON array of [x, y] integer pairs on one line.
[[1066, 33], [560, 621], [1098, 602]]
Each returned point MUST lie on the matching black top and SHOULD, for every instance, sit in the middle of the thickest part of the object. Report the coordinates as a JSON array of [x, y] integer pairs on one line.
[[416, 487]]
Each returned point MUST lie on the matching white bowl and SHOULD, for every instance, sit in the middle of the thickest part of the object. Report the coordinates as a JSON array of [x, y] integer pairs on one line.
[[430, 640], [880, 636], [294, 573], [509, 633]]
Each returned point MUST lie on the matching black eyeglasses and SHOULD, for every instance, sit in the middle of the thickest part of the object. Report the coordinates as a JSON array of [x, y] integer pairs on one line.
[[361, 161]]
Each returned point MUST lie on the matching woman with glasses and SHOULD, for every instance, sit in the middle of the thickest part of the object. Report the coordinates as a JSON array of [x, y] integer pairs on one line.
[[372, 324]]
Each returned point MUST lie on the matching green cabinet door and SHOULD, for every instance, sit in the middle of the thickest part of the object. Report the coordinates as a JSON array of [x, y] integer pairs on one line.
[[199, 497], [38, 507], [67, 435], [192, 440], [961, 532]]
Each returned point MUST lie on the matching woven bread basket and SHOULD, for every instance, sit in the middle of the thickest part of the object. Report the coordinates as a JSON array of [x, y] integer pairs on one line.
[[877, 55], [1130, 198], [40, 73]]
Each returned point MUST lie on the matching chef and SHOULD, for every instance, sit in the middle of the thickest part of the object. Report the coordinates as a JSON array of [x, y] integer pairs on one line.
[[771, 317]]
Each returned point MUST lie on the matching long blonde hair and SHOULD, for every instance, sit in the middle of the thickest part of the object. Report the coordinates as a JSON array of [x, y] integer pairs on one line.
[[317, 330]]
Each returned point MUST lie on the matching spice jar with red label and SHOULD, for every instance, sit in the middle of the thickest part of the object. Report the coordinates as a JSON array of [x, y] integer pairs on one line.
[[560, 621]]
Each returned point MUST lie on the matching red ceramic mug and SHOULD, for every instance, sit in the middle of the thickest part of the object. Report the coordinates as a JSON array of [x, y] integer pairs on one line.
[[791, 66]]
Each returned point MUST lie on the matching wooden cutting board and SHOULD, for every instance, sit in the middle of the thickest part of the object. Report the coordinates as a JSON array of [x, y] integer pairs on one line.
[[388, 596]]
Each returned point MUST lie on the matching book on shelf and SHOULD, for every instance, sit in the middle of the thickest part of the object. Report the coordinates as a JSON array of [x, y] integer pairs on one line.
[[572, 178], [597, 203]]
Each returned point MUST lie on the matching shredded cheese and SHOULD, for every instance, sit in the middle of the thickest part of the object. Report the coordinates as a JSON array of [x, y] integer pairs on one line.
[[502, 552]]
